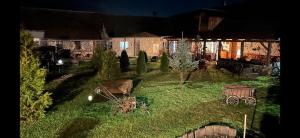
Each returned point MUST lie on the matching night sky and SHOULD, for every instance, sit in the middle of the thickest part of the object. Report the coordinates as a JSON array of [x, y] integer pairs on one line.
[[128, 7]]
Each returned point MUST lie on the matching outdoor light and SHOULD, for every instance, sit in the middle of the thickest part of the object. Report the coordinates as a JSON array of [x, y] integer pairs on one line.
[[60, 61], [90, 98]]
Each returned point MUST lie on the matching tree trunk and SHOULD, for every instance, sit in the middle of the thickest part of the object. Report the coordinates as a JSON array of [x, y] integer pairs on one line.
[[181, 80]]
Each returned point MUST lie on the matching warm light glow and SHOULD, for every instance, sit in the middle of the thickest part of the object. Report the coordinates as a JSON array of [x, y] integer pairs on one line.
[[208, 39], [90, 98], [242, 39], [228, 39], [219, 39]]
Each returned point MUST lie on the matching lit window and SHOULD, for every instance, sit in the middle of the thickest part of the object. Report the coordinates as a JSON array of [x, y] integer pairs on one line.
[[123, 45]]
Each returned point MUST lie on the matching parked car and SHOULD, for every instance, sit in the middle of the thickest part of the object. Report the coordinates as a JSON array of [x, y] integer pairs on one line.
[[47, 55], [64, 55]]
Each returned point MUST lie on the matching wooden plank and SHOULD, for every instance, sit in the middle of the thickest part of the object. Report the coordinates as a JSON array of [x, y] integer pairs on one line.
[[199, 133], [264, 45], [185, 136], [218, 130], [191, 135], [224, 130], [232, 132], [208, 130]]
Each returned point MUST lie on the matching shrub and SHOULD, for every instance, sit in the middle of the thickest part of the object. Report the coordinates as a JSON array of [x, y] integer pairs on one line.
[[141, 64], [109, 68], [97, 57], [164, 63], [33, 99], [124, 61]]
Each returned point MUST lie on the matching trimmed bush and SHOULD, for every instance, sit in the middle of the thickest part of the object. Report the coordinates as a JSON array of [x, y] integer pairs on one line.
[[164, 63], [141, 63], [97, 57], [109, 69], [124, 61]]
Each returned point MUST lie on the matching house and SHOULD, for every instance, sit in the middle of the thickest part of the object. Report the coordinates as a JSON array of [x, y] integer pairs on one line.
[[144, 41], [231, 31], [67, 30], [80, 32]]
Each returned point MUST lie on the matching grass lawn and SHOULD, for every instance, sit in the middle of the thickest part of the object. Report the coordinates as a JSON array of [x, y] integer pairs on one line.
[[172, 112]]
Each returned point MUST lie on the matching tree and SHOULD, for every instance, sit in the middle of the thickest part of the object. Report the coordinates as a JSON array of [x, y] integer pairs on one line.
[[182, 61], [164, 63], [33, 99], [97, 57], [109, 68], [124, 61], [141, 63], [146, 57]]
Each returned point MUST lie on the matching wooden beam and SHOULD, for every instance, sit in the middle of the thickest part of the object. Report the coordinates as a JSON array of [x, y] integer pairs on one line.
[[204, 49], [269, 54], [219, 50], [264, 45], [242, 50]]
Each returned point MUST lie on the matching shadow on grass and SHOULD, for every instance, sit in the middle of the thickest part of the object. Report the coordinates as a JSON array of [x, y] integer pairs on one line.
[[70, 88], [143, 99], [270, 126], [79, 127], [273, 94]]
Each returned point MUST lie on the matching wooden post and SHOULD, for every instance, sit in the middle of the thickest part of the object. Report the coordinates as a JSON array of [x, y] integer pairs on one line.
[[204, 49], [219, 50], [269, 54], [242, 50], [182, 35], [245, 125], [168, 48]]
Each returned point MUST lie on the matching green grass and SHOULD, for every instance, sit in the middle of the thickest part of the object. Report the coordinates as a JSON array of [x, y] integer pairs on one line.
[[172, 112]]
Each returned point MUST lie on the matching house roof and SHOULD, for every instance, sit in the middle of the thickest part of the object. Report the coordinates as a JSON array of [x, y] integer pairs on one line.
[[88, 25], [255, 19], [61, 25], [261, 23]]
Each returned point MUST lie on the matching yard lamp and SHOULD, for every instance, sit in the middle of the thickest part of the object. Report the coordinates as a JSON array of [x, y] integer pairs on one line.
[[60, 62], [90, 98]]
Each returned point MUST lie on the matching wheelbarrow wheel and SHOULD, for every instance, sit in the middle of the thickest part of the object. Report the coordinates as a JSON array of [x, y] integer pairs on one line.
[[251, 101], [233, 100]]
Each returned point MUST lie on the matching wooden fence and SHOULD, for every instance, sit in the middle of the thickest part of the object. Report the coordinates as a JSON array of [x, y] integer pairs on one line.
[[213, 131]]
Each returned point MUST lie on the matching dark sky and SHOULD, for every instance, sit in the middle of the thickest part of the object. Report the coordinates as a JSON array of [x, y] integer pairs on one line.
[[128, 7]]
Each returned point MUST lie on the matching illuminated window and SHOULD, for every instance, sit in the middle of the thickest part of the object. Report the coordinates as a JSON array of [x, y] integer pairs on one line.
[[123, 45]]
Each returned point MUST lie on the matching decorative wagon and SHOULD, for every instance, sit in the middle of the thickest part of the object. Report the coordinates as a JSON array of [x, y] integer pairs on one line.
[[235, 93]]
